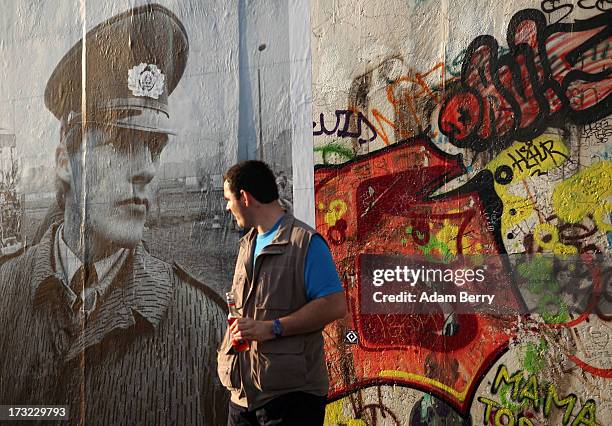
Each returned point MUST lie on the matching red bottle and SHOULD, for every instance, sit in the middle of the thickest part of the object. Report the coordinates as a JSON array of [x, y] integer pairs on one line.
[[239, 345]]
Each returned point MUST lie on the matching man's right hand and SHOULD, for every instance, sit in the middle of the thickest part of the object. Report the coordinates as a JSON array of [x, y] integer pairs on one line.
[[250, 329]]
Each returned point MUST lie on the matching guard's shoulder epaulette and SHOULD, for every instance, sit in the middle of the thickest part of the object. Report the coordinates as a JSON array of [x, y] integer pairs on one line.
[[182, 273]]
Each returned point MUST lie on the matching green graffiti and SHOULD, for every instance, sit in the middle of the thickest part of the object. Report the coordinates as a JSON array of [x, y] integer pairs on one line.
[[539, 273], [535, 357], [504, 394], [454, 67], [334, 148], [558, 312], [432, 244]]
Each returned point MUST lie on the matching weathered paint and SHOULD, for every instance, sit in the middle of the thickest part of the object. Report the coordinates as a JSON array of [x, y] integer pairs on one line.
[[450, 127]]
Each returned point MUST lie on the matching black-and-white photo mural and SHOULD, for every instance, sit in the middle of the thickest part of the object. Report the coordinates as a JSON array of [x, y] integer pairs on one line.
[[117, 122]]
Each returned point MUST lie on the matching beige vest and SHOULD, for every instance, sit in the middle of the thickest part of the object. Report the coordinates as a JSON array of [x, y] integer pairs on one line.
[[274, 289]]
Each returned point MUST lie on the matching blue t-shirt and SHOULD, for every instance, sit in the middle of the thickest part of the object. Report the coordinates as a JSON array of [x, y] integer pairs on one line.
[[320, 273]]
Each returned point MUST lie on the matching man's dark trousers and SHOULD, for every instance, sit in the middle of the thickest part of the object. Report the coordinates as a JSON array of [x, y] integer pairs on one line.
[[291, 409]]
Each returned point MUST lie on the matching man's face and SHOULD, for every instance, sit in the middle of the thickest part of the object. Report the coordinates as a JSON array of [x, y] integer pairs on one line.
[[235, 205], [112, 181]]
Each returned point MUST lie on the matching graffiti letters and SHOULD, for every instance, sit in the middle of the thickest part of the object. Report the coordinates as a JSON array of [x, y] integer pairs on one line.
[[343, 126], [540, 396], [549, 74], [599, 131], [601, 5], [405, 96], [530, 156], [557, 6]]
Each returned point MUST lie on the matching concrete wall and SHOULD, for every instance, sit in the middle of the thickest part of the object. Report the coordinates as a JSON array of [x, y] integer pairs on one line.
[[440, 128], [446, 127]]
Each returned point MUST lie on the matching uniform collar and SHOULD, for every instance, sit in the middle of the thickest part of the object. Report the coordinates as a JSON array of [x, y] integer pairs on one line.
[[44, 271], [141, 292], [68, 263]]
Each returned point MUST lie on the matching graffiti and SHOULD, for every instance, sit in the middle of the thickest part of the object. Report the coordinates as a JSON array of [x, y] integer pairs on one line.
[[336, 234], [407, 92], [561, 287], [430, 410], [599, 131], [556, 6], [513, 165], [527, 390], [336, 149], [334, 212], [529, 181], [429, 244], [405, 95], [511, 157], [542, 283], [586, 193], [564, 238], [534, 360], [529, 156], [546, 76], [454, 67], [341, 128], [384, 196], [377, 405], [371, 412], [601, 5], [559, 6]]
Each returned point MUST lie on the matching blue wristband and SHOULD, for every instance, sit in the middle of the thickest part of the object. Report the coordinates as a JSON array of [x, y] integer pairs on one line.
[[277, 328]]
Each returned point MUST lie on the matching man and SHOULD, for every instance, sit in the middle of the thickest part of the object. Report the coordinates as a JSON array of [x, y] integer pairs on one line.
[[89, 319], [286, 289]]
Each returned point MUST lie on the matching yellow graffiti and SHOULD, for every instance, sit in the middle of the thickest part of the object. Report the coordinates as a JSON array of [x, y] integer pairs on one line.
[[534, 392], [335, 210], [426, 380], [542, 230], [540, 155], [599, 215], [448, 236], [334, 415], [586, 193]]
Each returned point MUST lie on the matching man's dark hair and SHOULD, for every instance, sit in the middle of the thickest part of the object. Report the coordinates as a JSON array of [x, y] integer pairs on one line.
[[254, 177]]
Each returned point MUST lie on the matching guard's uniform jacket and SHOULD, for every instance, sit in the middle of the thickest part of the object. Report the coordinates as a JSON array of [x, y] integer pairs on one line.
[[146, 355], [273, 289]]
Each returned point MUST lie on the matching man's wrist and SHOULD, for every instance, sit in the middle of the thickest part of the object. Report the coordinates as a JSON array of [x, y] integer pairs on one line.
[[269, 331], [277, 328]]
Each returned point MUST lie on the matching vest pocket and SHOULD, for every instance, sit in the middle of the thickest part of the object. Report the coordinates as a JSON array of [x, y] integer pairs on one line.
[[227, 369], [227, 364], [281, 364]]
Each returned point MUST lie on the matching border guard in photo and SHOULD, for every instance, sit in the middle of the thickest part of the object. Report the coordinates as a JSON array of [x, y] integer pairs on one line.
[[88, 318]]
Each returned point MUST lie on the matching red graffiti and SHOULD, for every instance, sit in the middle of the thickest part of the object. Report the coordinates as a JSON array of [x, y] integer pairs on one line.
[[386, 194], [559, 72], [601, 372]]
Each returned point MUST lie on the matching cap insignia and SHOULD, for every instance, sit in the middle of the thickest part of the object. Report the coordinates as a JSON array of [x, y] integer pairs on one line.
[[146, 80]]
